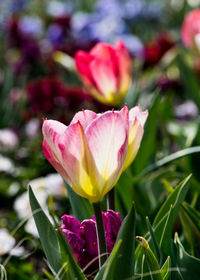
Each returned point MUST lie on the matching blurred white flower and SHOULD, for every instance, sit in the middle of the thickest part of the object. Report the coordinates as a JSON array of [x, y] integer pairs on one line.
[[52, 184], [7, 243], [23, 208], [58, 8], [22, 204], [8, 138], [30, 227], [32, 127], [6, 165]]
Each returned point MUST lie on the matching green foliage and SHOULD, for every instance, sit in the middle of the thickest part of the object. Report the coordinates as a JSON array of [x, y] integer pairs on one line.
[[188, 266], [81, 207], [56, 248], [124, 259], [47, 234]]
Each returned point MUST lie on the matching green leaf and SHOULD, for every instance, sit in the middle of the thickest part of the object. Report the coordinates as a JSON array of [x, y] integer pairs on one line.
[[152, 262], [192, 213], [165, 218], [81, 207], [166, 232], [125, 263], [189, 80], [153, 238], [190, 220], [109, 273], [124, 193], [164, 221], [175, 198], [169, 159], [189, 266], [149, 138], [48, 275], [125, 257], [165, 270], [47, 233], [74, 268]]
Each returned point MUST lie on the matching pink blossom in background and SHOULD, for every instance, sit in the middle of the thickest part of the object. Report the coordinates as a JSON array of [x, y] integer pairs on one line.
[[105, 71], [191, 30]]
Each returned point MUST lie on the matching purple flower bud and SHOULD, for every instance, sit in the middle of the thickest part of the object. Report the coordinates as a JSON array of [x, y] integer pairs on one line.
[[82, 237]]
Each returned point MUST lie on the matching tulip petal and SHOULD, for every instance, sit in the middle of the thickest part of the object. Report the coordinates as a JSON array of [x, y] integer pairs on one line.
[[51, 157], [78, 161], [85, 117], [67, 150], [107, 139], [137, 120], [103, 51], [82, 61], [71, 223], [90, 237], [52, 130], [137, 112], [124, 66], [76, 243], [105, 77]]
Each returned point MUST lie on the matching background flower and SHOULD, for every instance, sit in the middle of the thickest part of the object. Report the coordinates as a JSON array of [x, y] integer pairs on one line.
[[106, 71]]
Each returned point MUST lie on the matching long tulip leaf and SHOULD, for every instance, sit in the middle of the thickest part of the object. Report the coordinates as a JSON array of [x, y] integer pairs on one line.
[[47, 233]]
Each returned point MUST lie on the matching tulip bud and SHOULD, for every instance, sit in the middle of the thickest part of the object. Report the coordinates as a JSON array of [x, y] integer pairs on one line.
[[105, 71]]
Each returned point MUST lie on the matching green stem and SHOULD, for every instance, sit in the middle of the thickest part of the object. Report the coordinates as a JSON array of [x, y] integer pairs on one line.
[[100, 234], [111, 199]]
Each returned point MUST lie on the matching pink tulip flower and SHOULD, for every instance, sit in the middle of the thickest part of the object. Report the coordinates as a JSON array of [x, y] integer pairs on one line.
[[191, 30], [91, 153], [105, 71]]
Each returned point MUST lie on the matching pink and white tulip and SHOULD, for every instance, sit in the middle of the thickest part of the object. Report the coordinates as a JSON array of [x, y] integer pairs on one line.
[[91, 153], [191, 30], [105, 71]]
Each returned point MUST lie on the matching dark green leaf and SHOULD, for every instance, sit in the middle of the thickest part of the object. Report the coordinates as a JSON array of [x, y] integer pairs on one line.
[[74, 269], [47, 234], [81, 207], [189, 266], [166, 216], [109, 273], [169, 159], [152, 262], [125, 257], [153, 238], [149, 138], [189, 80], [175, 198]]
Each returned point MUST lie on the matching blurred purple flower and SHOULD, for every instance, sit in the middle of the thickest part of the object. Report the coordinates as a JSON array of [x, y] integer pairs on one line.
[[166, 84], [186, 111], [17, 5], [31, 26], [83, 239], [26, 44]]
